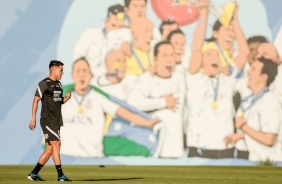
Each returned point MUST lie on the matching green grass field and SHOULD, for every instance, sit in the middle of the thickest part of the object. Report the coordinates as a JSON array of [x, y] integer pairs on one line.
[[148, 174]]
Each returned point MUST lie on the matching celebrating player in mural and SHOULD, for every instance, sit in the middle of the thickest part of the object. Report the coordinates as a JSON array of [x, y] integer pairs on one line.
[[259, 115], [82, 135], [162, 94], [209, 96]]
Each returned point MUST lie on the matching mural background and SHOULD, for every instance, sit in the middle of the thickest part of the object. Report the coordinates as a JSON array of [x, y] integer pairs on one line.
[[34, 32]]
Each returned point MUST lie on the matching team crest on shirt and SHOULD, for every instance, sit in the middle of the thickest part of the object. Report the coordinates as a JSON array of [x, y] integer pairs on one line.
[[46, 136]]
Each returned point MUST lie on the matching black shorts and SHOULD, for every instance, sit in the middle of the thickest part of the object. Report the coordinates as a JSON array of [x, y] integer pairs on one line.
[[51, 133]]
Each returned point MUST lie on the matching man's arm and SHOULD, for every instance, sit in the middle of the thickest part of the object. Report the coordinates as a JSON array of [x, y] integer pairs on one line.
[[268, 139], [135, 118], [140, 98], [32, 123], [243, 48], [199, 38]]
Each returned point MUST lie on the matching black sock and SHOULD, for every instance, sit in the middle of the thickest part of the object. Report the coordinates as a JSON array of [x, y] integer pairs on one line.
[[37, 168], [59, 170]]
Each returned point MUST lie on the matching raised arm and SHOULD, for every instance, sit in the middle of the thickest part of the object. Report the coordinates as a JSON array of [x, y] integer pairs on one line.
[[199, 37], [243, 47]]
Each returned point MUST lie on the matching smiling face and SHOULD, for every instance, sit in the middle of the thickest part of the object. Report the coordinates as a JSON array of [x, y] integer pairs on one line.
[[211, 62], [142, 32], [81, 74], [225, 36], [165, 60], [178, 41]]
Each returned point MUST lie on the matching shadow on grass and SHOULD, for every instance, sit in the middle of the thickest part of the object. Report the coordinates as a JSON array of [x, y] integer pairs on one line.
[[113, 179]]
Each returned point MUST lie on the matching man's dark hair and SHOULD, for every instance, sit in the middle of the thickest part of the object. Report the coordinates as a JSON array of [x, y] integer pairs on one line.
[[157, 46], [115, 9], [55, 63], [269, 68], [215, 27], [166, 22], [177, 31], [257, 38], [127, 2]]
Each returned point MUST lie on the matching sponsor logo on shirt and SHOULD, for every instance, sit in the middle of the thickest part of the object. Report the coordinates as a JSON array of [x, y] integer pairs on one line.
[[57, 96]]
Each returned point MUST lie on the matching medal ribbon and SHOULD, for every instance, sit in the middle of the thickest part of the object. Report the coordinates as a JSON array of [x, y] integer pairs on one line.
[[83, 96], [139, 61], [215, 89], [254, 100]]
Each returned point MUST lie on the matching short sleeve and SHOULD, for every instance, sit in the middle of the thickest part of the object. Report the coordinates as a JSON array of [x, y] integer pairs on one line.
[[108, 106], [271, 116], [41, 89]]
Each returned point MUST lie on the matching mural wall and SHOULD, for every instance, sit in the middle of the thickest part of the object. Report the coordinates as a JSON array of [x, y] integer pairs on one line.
[[157, 82]]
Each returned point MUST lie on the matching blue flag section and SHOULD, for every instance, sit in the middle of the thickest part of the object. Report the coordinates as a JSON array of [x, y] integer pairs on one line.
[[149, 85]]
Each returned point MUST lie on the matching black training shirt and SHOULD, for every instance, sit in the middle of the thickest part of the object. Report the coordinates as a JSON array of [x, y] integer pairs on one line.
[[50, 93]]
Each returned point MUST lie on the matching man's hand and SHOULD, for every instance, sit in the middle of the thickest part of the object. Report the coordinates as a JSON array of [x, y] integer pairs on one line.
[[232, 139], [202, 5], [32, 124], [152, 122], [171, 102], [68, 96], [125, 48]]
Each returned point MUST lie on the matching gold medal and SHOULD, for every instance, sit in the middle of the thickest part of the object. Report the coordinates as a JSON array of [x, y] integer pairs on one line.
[[79, 109], [242, 114], [214, 105]]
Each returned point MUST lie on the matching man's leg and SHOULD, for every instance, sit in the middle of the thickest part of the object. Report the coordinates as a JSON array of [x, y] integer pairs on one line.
[[33, 175], [56, 145]]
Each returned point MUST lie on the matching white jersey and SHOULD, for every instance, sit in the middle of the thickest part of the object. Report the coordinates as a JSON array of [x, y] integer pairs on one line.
[[276, 85], [119, 90], [114, 40], [264, 116], [208, 126], [183, 67], [148, 95], [89, 46], [82, 133], [94, 45]]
